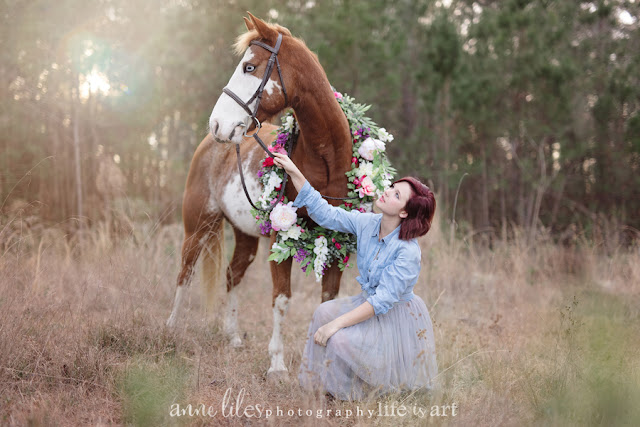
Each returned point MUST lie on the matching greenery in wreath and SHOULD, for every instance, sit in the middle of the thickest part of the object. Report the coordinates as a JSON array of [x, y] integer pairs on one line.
[[371, 173]]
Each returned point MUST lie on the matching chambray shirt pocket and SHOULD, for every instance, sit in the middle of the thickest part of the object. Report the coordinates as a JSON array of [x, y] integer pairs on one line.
[[396, 279]]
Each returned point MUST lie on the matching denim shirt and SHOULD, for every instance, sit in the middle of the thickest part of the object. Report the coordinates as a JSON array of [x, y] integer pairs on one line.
[[388, 267]]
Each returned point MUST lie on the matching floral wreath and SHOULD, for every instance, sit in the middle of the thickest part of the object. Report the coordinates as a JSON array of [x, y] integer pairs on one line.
[[370, 174]]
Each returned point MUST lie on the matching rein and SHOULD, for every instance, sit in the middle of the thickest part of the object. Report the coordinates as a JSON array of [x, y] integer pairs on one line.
[[257, 95], [284, 178]]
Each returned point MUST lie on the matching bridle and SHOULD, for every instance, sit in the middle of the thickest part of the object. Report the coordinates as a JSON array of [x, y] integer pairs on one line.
[[252, 117]]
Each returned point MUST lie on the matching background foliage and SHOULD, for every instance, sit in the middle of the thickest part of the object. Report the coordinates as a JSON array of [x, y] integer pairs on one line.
[[537, 101]]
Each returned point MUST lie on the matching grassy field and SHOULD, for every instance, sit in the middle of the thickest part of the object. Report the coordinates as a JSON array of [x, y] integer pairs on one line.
[[526, 333]]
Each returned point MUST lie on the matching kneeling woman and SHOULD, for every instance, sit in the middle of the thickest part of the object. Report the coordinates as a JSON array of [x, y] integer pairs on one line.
[[381, 340]]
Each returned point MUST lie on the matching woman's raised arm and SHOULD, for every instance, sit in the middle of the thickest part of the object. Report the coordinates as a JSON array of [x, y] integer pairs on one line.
[[319, 210]]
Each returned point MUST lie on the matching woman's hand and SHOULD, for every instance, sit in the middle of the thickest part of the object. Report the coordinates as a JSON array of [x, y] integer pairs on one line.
[[325, 332], [283, 161], [359, 314]]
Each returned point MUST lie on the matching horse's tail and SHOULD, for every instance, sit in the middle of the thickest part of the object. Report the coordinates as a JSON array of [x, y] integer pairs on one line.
[[214, 266]]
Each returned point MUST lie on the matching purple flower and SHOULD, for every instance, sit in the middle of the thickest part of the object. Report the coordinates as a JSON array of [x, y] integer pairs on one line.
[[301, 255], [282, 139], [260, 173], [265, 227], [362, 133]]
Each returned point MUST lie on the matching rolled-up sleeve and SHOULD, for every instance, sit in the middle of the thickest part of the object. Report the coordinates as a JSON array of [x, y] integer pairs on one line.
[[395, 279], [324, 214]]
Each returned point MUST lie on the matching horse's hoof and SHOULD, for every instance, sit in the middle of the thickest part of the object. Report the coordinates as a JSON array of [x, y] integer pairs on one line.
[[276, 376]]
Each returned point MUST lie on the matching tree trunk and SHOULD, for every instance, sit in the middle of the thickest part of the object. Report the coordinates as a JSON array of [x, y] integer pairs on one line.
[[76, 158]]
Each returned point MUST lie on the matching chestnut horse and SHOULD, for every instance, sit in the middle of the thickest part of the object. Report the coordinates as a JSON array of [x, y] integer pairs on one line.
[[214, 193]]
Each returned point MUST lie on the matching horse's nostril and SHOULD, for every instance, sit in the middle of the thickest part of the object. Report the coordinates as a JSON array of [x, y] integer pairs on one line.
[[214, 126]]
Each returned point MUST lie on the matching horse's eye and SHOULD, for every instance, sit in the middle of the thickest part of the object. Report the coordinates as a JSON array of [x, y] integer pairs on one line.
[[249, 68]]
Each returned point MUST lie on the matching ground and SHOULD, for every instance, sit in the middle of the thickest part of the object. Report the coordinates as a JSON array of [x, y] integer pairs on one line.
[[526, 333]]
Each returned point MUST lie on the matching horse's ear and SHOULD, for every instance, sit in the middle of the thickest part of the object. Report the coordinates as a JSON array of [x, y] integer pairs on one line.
[[248, 23], [265, 31]]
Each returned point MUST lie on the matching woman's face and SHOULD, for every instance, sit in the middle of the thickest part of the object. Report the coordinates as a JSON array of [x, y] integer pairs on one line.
[[394, 199]]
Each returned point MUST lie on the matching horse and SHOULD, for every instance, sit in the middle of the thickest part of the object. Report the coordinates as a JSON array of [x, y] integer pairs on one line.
[[213, 192]]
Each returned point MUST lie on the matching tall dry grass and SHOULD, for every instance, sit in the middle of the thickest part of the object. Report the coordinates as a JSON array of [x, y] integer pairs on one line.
[[527, 332]]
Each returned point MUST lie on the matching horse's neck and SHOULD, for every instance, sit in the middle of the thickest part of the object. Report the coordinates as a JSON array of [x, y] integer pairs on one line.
[[324, 148]]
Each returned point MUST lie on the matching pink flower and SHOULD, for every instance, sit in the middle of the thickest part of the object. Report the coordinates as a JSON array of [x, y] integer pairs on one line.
[[267, 162], [367, 187], [356, 181], [354, 160], [277, 149], [338, 95], [346, 258], [283, 216], [338, 246]]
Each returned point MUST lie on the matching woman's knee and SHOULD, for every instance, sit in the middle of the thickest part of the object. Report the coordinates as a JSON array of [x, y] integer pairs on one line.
[[325, 312]]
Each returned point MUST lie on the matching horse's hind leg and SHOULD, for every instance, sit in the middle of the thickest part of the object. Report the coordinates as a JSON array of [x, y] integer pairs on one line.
[[194, 241], [191, 248], [243, 255]]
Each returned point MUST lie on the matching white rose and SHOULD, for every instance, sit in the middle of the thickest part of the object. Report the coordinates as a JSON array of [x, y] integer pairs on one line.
[[288, 123], [293, 232], [365, 168], [274, 180], [263, 201], [384, 135], [379, 145], [278, 247], [367, 148], [283, 216]]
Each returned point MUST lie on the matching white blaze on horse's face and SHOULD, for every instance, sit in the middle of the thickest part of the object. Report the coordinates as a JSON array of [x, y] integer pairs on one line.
[[228, 118]]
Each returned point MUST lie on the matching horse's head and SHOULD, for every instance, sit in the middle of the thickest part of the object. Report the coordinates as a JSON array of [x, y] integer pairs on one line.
[[256, 90]]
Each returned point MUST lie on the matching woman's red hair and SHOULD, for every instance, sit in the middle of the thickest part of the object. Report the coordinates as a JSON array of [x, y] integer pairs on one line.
[[420, 209]]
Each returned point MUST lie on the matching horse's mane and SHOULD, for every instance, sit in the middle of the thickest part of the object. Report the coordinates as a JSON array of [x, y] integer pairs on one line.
[[243, 40]]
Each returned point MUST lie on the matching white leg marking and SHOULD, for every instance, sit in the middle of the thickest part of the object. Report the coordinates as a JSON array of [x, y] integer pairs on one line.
[[231, 318], [276, 348], [173, 318]]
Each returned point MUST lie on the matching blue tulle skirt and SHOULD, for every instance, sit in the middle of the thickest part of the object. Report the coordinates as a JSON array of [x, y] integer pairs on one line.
[[391, 352]]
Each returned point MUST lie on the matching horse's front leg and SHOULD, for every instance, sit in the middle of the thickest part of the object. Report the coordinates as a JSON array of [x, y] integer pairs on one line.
[[331, 282], [281, 276]]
